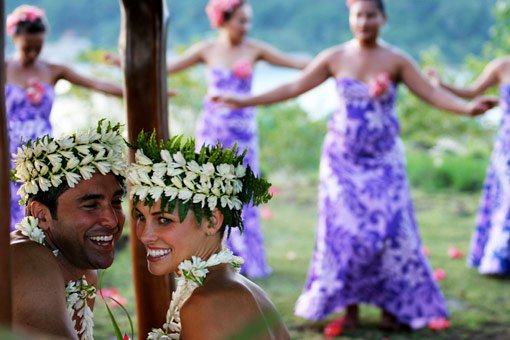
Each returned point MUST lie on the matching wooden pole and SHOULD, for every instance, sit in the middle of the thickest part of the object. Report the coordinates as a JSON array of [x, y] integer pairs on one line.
[[5, 195], [142, 46]]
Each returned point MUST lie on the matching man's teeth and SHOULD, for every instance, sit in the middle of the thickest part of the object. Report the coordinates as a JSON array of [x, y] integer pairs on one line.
[[102, 238], [158, 252]]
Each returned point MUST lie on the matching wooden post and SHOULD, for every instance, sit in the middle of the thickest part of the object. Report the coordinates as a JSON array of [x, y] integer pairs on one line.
[[5, 195], [142, 46]]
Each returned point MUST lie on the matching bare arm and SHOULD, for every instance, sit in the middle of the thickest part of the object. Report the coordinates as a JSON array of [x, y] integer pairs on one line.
[[64, 72], [39, 302], [435, 95], [312, 76], [278, 58], [488, 78], [190, 57]]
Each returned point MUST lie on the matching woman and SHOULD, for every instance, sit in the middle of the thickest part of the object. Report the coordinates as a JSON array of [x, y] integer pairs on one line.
[[30, 82], [184, 202], [490, 246], [368, 247], [229, 59]]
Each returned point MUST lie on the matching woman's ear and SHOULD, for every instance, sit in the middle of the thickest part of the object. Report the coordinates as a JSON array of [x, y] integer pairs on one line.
[[213, 225], [42, 213]]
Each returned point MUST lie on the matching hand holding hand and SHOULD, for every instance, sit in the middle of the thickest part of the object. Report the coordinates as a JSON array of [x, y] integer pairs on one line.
[[482, 104], [111, 59]]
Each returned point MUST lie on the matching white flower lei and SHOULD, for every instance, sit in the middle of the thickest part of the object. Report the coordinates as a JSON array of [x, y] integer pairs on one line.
[[46, 162], [77, 292], [189, 181], [191, 276]]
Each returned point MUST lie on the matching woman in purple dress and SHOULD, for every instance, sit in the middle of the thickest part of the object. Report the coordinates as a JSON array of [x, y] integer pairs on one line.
[[368, 249], [229, 59], [490, 245], [29, 86]]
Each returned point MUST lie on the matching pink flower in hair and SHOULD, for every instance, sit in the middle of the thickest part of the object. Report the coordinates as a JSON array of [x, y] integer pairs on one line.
[[21, 14], [349, 3], [243, 69], [216, 9]]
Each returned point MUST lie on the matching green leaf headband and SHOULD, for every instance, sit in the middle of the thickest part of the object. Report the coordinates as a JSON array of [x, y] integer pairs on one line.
[[173, 172], [46, 162]]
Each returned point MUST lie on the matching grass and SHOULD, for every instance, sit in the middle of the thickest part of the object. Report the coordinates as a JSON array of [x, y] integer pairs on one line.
[[479, 305]]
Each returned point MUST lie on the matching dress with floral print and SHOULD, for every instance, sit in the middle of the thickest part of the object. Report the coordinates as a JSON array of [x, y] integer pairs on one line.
[[239, 126], [28, 117], [490, 246], [368, 249]]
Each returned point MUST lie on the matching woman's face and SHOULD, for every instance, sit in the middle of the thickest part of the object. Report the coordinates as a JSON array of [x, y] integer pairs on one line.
[[28, 46], [239, 23], [366, 19], [167, 241]]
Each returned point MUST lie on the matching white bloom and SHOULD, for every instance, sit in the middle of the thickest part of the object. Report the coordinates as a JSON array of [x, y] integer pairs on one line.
[[66, 142], [208, 169], [141, 158], [177, 182], [44, 184], [185, 194], [156, 193], [179, 159], [200, 198], [171, 192], [72, 163], [103, 167], [56, 180], [87, 171], [240, 171], [226, 171], [212, 201], [83, 149], [71, 178], [165, 155]]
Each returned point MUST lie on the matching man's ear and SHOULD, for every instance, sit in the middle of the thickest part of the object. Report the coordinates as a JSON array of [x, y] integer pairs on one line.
[[213, 225], [42, 213]]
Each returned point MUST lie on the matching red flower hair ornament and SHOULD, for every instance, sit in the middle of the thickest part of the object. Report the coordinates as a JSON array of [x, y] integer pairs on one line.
[[21, 14], [216, 9]]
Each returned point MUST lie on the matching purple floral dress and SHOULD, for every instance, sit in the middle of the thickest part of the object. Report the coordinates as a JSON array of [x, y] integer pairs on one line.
[[490, 246], [26, 119], [229, 127], [367, 249]]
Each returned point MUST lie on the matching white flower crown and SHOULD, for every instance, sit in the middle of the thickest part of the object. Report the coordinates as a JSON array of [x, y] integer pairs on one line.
[[213, 178], [46, 162]]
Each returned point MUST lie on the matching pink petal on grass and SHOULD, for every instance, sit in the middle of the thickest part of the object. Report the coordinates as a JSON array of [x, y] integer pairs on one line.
[[425, 251], [439, 274], [274, 190], [111, 293], [455, 253], [438, 324], [266, 213]]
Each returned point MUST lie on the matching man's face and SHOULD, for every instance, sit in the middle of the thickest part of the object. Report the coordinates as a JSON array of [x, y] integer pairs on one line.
[[89, 222]]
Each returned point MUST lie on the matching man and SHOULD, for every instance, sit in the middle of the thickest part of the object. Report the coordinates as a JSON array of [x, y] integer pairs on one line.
[[72, 188]]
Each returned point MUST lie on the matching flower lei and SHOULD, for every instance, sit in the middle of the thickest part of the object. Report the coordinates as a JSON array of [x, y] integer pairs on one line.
[[213, 178], [77, 292], [191, 275], [21, 14], [46, 162], [216, 9]]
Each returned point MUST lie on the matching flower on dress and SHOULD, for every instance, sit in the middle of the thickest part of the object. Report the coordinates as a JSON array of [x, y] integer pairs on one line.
[[379, 84], [21, 14], [35, 91], [216, 10], [243, 69]]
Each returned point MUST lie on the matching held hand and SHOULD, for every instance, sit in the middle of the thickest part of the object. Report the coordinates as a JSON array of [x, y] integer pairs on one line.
[[482, 104], [111, 59], [433, 76], [228, 101]]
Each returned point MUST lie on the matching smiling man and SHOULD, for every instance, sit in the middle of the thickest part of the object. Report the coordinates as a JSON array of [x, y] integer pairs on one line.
[[73, 189]]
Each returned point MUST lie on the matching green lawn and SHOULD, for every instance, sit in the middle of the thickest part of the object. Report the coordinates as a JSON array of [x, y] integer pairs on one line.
[[479, 306]]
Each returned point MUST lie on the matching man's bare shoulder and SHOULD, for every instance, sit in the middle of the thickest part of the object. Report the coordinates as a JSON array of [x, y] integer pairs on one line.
[[31, 259]]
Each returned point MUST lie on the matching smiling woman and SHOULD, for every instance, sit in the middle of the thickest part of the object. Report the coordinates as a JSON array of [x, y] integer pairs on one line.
[[184, 203]]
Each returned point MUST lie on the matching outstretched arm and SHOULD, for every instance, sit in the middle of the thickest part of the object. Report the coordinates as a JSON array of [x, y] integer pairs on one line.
[[192, 56], [488, 78], [64, 72], [312, 76], [278, 58], [438, 96]]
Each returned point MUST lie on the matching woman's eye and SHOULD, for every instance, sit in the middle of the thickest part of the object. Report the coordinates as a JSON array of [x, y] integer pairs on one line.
[[140, 217], [164, 220]]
